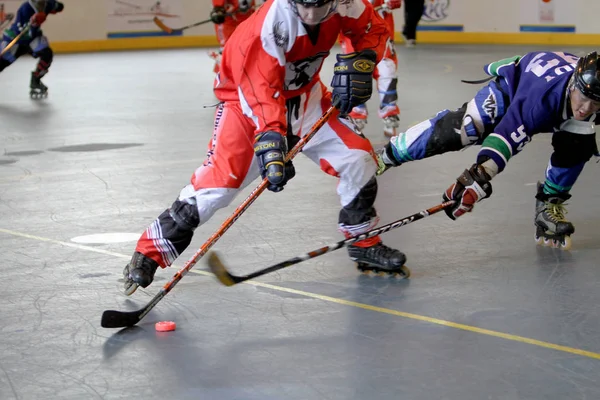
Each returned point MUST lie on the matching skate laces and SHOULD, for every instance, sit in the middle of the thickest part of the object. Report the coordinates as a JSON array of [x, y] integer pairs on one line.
[[556, 212]]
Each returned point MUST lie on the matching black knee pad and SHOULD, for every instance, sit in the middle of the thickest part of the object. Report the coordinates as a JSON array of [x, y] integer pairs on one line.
[[361, 208], [46, 55], [185, 215], [446, 133], [571, 149]]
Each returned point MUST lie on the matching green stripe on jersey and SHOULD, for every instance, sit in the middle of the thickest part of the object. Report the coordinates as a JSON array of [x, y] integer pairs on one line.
[[493, 68], [498, 144]]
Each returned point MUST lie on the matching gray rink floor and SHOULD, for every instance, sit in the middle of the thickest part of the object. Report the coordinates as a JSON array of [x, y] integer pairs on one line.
[[486, 315]]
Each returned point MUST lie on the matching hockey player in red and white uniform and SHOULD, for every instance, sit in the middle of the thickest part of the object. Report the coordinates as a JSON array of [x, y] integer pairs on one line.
[[227, 15], [385, 74], [271, 93]]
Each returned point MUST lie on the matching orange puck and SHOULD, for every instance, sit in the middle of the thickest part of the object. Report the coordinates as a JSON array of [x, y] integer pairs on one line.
[[165, 326]]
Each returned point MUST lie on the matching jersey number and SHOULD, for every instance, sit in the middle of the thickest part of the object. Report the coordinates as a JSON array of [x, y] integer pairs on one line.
[[540, 67], [520, 136]]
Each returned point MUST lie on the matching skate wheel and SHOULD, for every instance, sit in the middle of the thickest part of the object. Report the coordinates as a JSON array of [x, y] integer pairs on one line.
[[566, 243], [539, 240], [405, 272]]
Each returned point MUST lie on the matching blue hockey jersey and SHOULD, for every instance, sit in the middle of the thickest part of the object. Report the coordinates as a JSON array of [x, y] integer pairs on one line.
[[536, 85], [22, 18]]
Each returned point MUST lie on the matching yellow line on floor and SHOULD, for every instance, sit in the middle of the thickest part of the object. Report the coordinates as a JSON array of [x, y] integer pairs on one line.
[[335, 300], [436, 321]]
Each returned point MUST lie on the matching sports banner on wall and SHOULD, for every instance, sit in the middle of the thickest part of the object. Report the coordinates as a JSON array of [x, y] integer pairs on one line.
[[556, 16], [135, 18], [438, 15], [8, 10]]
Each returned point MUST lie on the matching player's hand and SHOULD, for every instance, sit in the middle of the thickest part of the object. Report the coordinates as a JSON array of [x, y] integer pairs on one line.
[[472, 186], [392, 4], [352, 83], [217, 15], [58, 7], [38, 19], [270, 148], [243, 6]]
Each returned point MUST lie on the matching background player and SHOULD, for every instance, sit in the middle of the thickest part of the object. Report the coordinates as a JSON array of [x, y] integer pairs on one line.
[[269, 88], [227, 15], [539, 92], [31, 14], [385, 74]]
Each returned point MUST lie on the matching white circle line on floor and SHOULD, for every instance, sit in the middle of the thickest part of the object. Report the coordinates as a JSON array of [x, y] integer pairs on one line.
[[104, 238]]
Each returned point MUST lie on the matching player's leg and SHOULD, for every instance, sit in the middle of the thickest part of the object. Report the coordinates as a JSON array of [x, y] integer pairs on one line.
[[229, 166], [41, 50], [447, 131], [343, 153], [571, 152], [413, 9], [12, 54], [387, 82], [223, 32]]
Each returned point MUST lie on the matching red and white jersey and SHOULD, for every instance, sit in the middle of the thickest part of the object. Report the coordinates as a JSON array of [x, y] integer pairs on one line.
[[272, 57], [233, 6]]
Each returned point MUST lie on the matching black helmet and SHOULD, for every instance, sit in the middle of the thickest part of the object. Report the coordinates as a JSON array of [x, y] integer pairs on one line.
[[312, 3], [587, 76]]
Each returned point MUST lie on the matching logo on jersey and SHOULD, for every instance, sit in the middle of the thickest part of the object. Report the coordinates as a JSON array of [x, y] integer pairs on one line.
[[364, 65], [280, 35], [436, 10], [300, 73], [489, 106]]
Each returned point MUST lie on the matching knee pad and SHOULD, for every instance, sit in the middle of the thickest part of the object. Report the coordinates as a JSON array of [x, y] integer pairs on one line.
[[360, 210], [185, 215], [446, 134], [571, 149], [46, 55]]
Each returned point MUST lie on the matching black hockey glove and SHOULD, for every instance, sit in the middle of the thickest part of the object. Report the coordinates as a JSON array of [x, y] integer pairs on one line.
[[270, 148], [58, 7], [470, 187], [352, 81], [217, 15], [243, 6]]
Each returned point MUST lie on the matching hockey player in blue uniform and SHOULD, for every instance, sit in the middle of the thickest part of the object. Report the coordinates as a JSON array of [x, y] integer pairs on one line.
[[31, 15], [538, 92]]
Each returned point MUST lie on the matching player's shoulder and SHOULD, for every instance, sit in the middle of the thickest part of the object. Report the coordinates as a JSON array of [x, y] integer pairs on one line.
[[279, 27]]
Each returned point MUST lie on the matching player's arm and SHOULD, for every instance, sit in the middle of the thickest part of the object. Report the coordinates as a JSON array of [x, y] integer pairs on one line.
[[364, 27], [218, 13], [260, 89], [54, 7], [513, 132]]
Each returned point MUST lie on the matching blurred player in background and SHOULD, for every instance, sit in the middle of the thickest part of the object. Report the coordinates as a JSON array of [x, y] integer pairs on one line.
[[385, 75], [413, 11], [227, 15], [31, 15]]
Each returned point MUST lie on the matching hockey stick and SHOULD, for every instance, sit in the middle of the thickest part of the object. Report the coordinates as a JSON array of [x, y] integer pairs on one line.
[[165, 28], [120, 319], [15, 40], [226, 278]]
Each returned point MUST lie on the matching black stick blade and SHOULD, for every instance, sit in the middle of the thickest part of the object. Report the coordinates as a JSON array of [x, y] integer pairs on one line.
[[120, 319], [217, 268]]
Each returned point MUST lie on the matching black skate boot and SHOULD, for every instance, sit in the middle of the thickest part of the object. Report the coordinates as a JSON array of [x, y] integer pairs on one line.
[[552, 229], [379, 259], [139, 272], [386, 159], [37, 89]]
